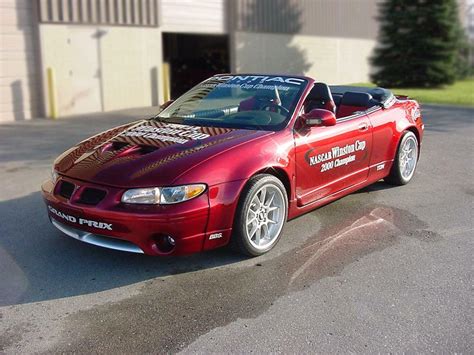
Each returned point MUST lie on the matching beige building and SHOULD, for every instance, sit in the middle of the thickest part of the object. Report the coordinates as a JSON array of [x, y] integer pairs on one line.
[[68, 57]]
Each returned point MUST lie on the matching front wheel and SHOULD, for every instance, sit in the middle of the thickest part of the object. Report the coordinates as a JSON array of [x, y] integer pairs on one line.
[[260, 216], [405, 162]]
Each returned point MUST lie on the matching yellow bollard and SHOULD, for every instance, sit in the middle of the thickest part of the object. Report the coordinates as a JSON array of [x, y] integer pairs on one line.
[[53, 108], [166, 82]]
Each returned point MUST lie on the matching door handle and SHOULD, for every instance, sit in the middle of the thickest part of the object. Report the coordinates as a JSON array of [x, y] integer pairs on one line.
[[363, 127]]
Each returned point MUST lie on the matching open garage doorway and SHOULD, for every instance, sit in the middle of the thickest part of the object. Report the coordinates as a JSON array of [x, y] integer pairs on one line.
[[193, 58]]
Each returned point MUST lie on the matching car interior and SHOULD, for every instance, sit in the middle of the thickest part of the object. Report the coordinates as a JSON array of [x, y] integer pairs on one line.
[[268, 108], [345, 101], [320, 96], [261, 100]]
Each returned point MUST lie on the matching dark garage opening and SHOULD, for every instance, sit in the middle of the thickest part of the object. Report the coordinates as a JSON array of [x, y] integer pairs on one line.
[[193, 58]]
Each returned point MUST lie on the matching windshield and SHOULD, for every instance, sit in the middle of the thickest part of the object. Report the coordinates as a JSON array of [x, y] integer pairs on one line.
[[263, 102]]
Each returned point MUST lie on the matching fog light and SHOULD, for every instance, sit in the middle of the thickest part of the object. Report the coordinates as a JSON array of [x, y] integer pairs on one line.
[[163, 244]]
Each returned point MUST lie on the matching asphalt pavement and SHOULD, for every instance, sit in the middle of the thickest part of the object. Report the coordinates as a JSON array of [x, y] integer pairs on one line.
[[386, 269]]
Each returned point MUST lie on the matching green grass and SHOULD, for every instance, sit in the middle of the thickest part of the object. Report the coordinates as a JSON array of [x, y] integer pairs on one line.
[[460, 93]]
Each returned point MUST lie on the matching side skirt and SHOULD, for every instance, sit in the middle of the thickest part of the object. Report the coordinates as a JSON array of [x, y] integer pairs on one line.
[[295, 211]]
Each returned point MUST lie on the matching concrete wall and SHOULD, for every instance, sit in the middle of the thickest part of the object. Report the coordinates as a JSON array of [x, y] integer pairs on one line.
[[328, 18], [193, 16], [19, 82], [328, 59], [331, 41], [102, 68]]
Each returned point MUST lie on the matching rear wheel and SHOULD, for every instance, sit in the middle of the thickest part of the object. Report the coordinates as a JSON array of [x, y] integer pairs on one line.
[[405, 162], [260, 216]]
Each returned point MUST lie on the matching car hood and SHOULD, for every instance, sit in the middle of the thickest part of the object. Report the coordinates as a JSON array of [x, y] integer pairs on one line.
[[147, 152]]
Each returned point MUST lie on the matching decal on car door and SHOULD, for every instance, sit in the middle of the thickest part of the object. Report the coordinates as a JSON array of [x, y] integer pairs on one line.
[[336, 156]]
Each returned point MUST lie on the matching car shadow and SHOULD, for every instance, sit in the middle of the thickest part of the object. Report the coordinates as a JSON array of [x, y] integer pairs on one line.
[[378, 186], [37, 262]]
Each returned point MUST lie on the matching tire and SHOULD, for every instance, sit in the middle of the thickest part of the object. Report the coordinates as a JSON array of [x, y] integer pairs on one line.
[[406, 160], [257, 228]]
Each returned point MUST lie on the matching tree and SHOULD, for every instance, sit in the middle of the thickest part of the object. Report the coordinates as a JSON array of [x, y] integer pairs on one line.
[[420, 43]]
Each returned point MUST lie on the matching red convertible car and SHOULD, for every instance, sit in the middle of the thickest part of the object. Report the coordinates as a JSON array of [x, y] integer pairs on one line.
[[231, 161]]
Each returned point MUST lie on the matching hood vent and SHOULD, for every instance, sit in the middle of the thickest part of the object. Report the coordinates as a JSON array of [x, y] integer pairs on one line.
[[136, 150], [118, 145], [124, 148], [114, 146], [145, 149]]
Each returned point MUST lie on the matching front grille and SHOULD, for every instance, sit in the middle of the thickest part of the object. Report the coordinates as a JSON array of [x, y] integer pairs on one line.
[[66, 189], [91, 196]]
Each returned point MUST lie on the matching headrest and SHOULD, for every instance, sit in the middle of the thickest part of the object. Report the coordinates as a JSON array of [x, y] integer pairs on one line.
[[320, 91], [266, 94], [381, 95], [359, 99]]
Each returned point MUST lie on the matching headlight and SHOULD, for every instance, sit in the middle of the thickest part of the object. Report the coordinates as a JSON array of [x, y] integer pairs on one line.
[[54, 175], [146, 196], [163, 195]]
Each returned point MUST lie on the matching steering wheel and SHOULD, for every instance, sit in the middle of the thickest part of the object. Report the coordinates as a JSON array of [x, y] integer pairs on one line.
[[273, 105]]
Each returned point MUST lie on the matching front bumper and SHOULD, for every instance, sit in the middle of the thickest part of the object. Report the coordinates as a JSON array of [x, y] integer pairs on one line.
[[132, 228]]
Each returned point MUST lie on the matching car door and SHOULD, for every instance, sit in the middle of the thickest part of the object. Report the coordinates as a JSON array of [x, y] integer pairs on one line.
[[332, 158]]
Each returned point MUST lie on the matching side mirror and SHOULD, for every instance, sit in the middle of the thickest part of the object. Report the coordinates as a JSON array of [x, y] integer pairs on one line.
[[319, 117], [166, 104]]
